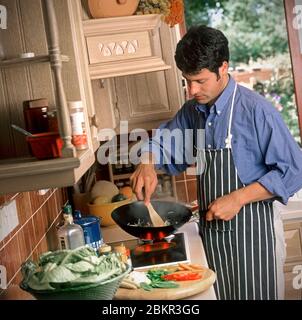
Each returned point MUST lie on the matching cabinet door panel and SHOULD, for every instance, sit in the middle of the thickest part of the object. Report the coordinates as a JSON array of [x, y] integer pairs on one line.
[[104, 103], [292, 293], [118, 47], [293, 240], [143, 97]]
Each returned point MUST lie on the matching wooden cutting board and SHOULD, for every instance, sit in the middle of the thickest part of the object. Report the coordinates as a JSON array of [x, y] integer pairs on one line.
[[185, 289]]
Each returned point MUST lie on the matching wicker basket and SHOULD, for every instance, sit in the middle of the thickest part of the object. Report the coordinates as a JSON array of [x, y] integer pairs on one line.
[[96, 291]]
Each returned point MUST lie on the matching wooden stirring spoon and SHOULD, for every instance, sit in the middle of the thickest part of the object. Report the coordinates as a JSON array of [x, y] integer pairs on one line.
[[156, 219]]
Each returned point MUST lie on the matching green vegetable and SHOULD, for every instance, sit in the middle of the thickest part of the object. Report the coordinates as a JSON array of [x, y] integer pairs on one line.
[[118, 197], [155, 275], [70, 268]]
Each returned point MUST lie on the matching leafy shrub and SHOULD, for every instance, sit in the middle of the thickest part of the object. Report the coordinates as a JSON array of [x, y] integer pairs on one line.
[[280, 92]]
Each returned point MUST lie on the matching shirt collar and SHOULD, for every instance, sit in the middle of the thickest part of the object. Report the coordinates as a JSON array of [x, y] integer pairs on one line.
[[221, 102]]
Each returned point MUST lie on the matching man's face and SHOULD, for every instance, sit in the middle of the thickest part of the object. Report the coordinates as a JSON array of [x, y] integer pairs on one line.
[[205, 87]]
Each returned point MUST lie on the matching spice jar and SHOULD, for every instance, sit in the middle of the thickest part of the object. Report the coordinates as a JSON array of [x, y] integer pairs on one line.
[[79, 134], [35, 115], [124, 253], [52, 121]]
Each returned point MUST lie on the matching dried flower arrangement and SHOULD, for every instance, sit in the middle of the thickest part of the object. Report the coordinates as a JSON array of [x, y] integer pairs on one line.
[[171, 10]]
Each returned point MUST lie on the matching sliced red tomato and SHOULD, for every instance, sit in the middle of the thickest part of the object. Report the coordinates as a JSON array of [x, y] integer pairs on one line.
[[182, 276]]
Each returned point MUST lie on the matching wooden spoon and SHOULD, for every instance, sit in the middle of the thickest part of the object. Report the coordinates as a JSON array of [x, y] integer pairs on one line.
[[156, 219]]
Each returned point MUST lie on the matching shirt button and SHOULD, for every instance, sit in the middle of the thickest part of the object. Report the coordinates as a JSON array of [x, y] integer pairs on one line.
[[209, 124], [209, 146], [218, 112]]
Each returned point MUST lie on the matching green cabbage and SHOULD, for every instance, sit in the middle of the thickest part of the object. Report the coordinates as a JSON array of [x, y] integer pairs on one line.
[[70, 268]]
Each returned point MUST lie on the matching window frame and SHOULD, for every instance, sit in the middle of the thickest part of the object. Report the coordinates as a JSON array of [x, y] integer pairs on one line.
[[296, 56]]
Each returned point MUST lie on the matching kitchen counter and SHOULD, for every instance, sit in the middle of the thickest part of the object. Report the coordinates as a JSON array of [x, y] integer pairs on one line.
[[291, 211], [115, 233], [197, 254]]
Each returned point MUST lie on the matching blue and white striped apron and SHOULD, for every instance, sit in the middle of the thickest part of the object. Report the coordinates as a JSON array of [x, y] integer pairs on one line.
[[241, 251]]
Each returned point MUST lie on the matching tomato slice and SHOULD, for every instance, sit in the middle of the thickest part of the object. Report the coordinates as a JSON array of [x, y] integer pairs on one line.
[[182, 276]]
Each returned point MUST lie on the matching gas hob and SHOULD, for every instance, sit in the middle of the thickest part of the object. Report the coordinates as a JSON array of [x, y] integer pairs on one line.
[[146, 254]]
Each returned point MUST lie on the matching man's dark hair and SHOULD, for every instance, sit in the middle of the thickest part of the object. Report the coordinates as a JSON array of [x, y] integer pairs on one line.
[[202, 47]]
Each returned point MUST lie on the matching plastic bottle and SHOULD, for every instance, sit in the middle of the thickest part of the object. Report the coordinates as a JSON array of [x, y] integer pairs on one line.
[[70, 235], [79, 134]]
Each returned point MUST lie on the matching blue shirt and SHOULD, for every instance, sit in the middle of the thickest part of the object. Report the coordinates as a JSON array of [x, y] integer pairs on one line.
[[262, 146]]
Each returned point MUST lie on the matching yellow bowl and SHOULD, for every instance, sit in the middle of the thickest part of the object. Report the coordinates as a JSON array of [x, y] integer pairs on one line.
[[104, 210]]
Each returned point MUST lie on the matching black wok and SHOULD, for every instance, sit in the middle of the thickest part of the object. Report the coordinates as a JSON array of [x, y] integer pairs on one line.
[[128, 215]]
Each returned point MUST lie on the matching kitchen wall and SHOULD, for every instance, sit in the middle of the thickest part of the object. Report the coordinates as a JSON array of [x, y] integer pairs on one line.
[[38, 216], [186, 187]]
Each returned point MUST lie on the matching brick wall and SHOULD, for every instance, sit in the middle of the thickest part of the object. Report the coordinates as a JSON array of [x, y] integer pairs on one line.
[[38, 216]]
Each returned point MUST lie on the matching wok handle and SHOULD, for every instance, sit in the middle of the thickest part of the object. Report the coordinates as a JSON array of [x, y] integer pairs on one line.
[[196, 213]]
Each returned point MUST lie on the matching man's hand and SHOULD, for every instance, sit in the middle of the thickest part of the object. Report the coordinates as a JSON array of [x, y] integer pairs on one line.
[[228, 206], [144, 177], [224, 208]]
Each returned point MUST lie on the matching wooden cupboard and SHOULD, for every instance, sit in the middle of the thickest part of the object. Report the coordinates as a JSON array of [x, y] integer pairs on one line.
[[142, 87], [293, 262]]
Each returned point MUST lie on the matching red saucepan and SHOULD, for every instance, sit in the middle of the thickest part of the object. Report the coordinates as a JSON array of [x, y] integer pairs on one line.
[[134, 217]]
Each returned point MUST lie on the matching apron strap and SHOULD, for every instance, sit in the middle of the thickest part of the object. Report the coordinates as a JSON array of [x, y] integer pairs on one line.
[[228, 139]]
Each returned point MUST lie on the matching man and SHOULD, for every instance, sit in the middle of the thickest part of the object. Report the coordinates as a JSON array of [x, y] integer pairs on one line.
[[249, 160]]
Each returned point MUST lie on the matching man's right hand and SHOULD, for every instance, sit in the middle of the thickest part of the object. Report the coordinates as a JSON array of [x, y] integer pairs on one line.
[[144, 177]]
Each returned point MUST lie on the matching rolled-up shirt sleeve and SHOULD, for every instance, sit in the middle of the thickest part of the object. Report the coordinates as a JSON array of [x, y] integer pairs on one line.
[[172, 143], [282, 156]]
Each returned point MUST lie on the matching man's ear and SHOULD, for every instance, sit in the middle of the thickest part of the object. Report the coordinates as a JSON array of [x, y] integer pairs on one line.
[[224, 69]]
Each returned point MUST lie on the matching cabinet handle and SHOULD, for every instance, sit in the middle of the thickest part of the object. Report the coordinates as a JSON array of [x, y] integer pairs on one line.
[[94, 121], [121, 1]]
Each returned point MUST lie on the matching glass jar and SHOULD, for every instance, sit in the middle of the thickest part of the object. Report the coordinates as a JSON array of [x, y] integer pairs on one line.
[[78, 128]]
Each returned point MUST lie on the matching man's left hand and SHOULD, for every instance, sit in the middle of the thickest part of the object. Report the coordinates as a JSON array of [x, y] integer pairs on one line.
[[224, 208]]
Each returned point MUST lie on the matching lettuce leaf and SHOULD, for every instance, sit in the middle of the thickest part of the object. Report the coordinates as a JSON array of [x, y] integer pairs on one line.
[[70, 268]]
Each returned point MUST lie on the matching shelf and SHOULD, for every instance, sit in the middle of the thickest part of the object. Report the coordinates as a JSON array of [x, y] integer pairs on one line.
[[122, 176], [17, 62], [26, 174], [128, 175], [125, 68]]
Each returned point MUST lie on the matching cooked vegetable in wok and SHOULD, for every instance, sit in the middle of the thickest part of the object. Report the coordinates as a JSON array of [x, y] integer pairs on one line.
[[142, 223]]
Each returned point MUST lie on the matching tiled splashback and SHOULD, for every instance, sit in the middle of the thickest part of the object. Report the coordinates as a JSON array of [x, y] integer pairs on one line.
[[38, 215], [186, 187]]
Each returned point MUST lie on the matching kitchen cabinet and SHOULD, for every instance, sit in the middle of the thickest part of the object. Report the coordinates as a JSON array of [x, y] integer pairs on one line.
[[131, 65], [43, 76], [143, 86], [293, 239], [123, 45]]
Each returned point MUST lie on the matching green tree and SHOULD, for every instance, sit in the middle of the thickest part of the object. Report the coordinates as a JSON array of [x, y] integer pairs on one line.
[[201, 11], [255, 28]]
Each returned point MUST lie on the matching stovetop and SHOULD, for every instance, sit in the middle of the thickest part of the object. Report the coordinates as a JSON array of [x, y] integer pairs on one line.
[[168, 251]]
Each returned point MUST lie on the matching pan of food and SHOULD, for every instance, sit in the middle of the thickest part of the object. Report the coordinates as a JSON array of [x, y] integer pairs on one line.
[[134, 218]]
